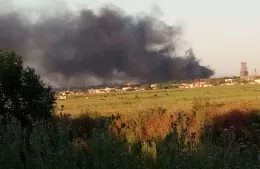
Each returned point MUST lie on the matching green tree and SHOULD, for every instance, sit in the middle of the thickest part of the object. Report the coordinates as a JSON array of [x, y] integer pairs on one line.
[[22, 94]]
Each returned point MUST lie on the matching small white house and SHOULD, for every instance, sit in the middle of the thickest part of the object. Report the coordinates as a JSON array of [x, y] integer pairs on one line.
[[257, 81], [153, 86], [62, 97], [126, 88], [229, 80]]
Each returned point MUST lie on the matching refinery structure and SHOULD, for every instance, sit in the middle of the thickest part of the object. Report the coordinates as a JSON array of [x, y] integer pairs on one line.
[[244, 73]]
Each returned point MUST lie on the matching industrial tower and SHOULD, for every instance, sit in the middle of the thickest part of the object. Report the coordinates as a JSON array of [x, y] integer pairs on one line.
[[243, 71]]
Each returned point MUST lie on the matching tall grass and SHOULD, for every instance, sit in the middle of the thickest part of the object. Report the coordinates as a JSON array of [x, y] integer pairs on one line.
[[151, 139]]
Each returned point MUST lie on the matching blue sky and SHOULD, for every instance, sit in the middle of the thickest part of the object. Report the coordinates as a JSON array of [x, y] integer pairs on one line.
[[222, 32]]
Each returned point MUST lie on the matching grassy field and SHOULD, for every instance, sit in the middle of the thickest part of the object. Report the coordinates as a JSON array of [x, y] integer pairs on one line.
[[222, 97], [150, 139]]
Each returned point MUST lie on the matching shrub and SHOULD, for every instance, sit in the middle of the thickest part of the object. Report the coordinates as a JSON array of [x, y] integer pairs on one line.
[[22, 93]]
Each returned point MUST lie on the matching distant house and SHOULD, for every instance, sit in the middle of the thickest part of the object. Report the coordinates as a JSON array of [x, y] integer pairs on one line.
[[99, 91], [107, 89], [126, 88], [257, 81], [62, 97], [230, 84], [153, 86], [207, 85], [229, 80], [94, 91], [181, 87], [91, 91], [185, 85], [202, 83], [195, 84]]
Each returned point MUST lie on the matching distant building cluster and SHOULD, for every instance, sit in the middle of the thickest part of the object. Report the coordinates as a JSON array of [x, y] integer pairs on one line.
[[181, 84], [195, 84], [123, 87]]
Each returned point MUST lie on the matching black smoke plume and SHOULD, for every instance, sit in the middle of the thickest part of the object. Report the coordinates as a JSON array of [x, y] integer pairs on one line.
[[107, 45]]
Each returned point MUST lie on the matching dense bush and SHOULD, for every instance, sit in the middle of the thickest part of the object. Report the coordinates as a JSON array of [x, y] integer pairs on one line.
[[54, 145], [22, 94]]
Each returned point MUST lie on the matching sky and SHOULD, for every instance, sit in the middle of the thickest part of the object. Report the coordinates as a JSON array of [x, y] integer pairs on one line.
[[222, 33]]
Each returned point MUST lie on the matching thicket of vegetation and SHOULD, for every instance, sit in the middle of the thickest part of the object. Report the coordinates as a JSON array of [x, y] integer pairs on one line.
[[151, 138], [22, 94]]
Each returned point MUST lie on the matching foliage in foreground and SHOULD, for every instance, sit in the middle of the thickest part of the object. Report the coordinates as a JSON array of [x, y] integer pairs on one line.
[[57, 145], [22, 94]]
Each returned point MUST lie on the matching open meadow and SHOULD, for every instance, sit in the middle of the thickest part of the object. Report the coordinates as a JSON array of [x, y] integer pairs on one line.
[[199, 128], [203, 128], [127, 103]]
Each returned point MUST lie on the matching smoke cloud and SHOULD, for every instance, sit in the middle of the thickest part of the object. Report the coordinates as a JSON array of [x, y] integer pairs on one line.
[[86, 47]]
